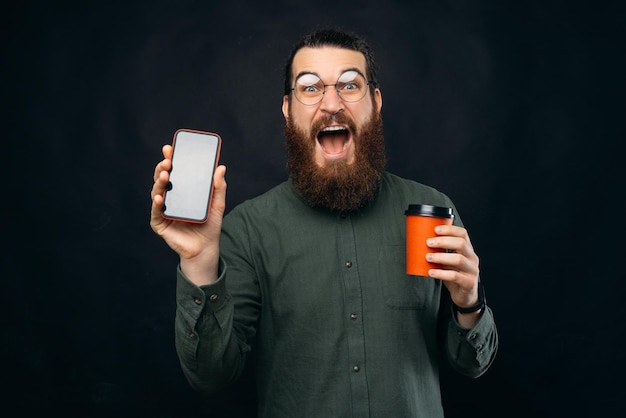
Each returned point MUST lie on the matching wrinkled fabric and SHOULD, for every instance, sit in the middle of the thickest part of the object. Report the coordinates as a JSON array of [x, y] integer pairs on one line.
[[323, 302]]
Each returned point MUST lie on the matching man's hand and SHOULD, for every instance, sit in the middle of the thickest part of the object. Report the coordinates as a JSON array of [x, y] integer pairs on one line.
[[196, 244], [459, 268]]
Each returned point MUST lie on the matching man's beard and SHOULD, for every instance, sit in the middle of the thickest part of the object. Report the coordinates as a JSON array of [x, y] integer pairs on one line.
[[337, 186]]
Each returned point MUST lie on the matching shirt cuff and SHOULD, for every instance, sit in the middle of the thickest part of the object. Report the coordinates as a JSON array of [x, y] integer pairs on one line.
[[192, 298], [478, 334]]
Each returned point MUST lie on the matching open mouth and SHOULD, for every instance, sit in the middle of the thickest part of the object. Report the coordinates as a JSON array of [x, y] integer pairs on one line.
[[334, 140]]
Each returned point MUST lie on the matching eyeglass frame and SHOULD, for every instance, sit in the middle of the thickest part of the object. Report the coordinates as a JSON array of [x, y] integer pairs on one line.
[[367, 84]]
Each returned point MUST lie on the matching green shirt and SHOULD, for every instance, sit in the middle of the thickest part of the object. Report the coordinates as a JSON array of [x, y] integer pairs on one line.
[[323, 301]]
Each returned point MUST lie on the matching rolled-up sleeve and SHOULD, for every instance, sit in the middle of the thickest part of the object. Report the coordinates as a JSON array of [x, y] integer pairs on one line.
[[471, 351], [208, 351]]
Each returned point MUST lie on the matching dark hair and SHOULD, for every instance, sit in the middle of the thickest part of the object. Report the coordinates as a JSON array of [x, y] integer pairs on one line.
[[336, 38]]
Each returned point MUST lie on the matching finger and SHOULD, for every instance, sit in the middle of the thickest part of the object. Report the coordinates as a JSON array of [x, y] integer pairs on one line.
[[160, 183], [219, 191], [451, 273], [450, 243], [164, 165], [450, 261], [156, 218], [446, 275], [451, 230], [157, 221], [167, 151], [158, 189]]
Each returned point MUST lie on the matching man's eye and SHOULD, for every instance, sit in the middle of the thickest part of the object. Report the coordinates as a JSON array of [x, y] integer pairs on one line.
[[350, 86], [310, 89]]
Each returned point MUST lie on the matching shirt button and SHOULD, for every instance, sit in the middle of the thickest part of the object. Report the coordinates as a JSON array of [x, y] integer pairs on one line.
[[348, 264], [197, 301], [353, 316], [473, 337], [192, 336], [356, 369], [213, 297]]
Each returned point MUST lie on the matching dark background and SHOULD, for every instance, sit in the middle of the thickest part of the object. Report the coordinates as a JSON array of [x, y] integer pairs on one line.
[[514, 109]]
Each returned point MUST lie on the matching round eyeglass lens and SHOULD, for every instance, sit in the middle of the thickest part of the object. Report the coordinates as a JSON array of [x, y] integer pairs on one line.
[[351, 87], [309, 89]]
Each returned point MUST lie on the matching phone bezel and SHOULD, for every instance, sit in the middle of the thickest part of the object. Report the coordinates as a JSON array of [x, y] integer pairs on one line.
[[178, 216]]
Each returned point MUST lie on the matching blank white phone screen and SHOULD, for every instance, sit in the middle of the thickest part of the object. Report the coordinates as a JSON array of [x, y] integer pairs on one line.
[[191, 177]]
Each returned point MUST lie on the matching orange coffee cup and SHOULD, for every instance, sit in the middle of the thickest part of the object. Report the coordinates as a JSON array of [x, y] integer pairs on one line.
[[421, 221]]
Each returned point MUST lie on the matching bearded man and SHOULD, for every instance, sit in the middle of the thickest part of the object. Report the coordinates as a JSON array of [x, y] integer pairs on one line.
[[310, 277]]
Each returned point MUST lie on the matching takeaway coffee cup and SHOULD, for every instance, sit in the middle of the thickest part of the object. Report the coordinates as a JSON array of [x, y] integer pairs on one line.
[[421, 221]]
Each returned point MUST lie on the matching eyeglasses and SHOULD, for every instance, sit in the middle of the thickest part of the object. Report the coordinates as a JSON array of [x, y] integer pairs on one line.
[[351, 87]]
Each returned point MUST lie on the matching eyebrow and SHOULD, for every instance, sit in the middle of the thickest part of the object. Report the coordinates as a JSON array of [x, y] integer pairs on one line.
[[300, 74]]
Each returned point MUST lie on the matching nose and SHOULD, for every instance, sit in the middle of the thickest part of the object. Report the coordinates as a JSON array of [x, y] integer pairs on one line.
[[331, 100]]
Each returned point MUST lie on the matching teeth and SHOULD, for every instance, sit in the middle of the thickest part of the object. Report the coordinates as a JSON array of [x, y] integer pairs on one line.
[[333, 128]]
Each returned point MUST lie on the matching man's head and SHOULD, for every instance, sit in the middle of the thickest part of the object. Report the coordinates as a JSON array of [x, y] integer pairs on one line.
[[335, 146], [337, 39]]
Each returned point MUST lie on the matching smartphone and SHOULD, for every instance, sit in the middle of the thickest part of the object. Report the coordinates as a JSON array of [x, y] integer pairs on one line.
[[195, 156]]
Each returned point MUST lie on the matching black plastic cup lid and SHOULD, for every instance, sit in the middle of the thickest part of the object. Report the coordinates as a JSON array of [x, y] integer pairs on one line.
[[428, 210]]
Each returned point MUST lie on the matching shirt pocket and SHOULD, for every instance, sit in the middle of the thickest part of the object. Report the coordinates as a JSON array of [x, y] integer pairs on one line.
[[400, 290]]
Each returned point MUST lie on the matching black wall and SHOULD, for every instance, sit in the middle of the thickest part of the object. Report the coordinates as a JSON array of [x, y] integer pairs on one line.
[[514, 109]]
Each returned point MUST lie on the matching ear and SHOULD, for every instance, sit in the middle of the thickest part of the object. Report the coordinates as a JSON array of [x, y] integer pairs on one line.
[[378, 99], [286, 106]]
